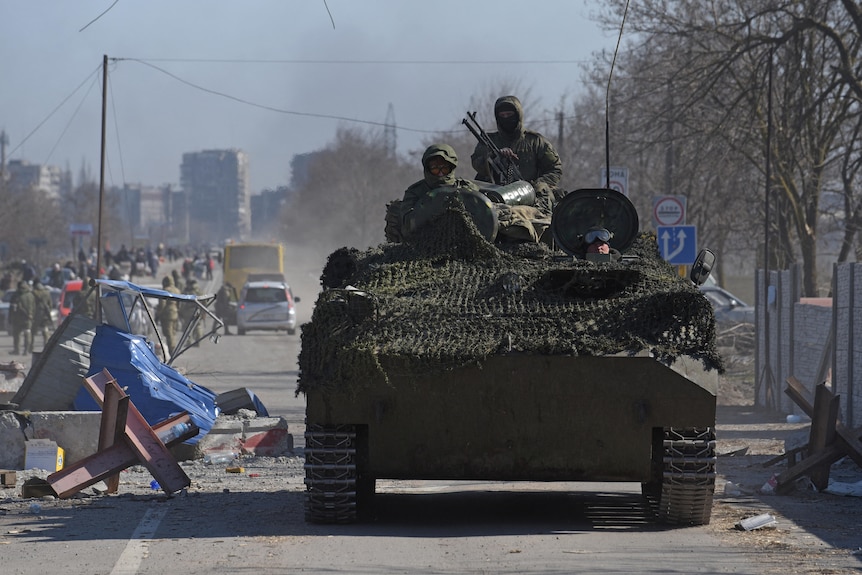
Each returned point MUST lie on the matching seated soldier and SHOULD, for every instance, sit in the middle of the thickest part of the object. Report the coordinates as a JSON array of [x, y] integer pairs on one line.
[[596, 241], [422, 201], [438, 162]]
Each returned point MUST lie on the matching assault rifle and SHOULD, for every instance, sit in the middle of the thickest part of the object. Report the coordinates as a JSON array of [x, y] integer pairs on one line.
[[503, 170]]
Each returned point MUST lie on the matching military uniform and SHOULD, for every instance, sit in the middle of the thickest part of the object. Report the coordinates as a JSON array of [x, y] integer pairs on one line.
[[85, 301], [22, 309], [222, 305], [416, 205], [187, 310], [42, 322], [167, 315], [538, 161], [539, 164]]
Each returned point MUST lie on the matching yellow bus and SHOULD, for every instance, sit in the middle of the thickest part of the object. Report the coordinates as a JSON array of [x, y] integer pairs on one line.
[[262, 260]]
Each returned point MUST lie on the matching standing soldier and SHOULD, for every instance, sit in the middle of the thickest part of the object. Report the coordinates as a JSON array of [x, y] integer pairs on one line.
[[167, 315], [85, 301], [176, 276], [187, 312], [222, 304], [21, 311], [42, 315]]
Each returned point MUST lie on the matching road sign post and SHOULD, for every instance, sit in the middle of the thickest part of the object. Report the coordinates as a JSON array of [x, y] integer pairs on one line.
[[668, 210], [618, 181], [677, 244]]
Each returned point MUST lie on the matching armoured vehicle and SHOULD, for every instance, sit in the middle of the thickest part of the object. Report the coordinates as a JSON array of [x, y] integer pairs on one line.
[[451, 357]]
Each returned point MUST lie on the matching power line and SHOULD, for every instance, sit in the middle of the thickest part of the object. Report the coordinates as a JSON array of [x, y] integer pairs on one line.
[[364, 62], [54, 111], [272, 108]]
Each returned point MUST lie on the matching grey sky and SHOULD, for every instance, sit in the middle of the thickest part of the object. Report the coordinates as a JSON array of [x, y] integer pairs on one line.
[[154, 118]]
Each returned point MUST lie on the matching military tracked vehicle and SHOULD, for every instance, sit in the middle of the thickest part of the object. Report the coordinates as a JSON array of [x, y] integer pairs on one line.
[[455, 358]]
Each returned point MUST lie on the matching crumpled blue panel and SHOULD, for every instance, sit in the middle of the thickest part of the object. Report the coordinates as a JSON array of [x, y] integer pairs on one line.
[[156, 389]]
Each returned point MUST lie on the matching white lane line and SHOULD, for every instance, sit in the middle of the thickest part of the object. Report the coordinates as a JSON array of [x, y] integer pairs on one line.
[[139, 543]]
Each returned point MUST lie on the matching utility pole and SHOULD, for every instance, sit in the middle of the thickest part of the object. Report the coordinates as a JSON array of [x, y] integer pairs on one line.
[[101, 185], [560, 132], [389, 135], [4, 141]]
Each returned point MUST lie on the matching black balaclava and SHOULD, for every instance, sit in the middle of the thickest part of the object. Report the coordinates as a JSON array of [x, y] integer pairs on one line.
[[509, 126]]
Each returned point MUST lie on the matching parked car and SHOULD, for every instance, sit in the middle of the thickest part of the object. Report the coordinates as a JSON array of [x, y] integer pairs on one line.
[[729, 309], [67, 298], [266, 305]]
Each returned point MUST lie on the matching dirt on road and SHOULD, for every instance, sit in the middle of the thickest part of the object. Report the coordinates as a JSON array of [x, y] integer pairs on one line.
[[814, 532]]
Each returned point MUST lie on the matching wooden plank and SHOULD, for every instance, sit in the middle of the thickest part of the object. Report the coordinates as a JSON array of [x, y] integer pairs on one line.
[[826, 457], [799, 395], [822, 432], [851, 440]]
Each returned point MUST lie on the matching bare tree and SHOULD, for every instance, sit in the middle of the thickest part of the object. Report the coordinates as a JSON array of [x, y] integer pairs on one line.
[[342, 199], [717, 56]]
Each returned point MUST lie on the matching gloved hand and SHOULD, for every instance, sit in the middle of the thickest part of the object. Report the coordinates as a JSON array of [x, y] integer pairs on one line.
[[504, 213]]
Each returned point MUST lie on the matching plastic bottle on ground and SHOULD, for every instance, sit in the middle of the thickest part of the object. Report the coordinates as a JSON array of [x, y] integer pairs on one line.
[[174, 432]]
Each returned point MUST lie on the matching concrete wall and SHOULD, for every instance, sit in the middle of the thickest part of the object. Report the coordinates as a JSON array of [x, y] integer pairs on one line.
[[814, 340], [77, 432], [847, 335]]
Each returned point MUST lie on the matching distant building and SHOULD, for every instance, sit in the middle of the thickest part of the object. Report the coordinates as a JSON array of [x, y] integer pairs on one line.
[[147, 214], [265, 211], [216, 185], [22, 175]]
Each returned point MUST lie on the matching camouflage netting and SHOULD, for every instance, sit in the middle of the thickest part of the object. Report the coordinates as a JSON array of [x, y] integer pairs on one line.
[[451, 298]]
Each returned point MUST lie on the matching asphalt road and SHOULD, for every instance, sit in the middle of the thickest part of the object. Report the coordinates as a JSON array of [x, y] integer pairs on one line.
[[239, 525]]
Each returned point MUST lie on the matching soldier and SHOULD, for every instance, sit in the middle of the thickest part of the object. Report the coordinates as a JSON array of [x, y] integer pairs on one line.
[[439, 162], [167, 315], [225, 295], [42, 322], [21, 311], [187, 310], [85, 300], [596, 241], [175, 275], [537, 161]]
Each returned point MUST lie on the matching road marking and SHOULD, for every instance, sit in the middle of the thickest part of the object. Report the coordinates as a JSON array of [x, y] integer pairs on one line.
[[138, 546]]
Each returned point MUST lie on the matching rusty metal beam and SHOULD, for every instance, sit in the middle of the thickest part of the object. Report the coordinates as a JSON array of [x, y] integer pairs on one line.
[[123, 444]]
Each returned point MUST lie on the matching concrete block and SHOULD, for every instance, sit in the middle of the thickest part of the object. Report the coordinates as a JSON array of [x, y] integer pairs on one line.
[[77, 432], [267, 436], [226, 435], [12, 437]]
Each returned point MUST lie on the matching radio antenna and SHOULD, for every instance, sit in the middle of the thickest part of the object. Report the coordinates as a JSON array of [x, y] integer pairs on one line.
[[608, 102]]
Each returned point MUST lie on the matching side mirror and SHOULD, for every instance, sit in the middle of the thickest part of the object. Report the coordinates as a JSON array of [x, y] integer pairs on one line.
[[702, 267]]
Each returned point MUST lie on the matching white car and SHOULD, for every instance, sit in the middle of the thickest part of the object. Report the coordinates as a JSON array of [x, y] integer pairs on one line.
[[266, 305]]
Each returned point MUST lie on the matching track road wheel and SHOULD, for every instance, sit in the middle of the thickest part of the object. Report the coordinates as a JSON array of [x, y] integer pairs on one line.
[[683, 480], [336, 491]]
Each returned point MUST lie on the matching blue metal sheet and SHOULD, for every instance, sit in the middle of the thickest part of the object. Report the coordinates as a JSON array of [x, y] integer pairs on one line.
[[156, 389]]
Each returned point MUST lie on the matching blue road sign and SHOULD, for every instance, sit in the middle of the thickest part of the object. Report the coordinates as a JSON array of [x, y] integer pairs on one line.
[[677, 244]]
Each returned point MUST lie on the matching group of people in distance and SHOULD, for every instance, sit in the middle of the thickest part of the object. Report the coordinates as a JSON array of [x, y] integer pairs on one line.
[[535, 157]]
